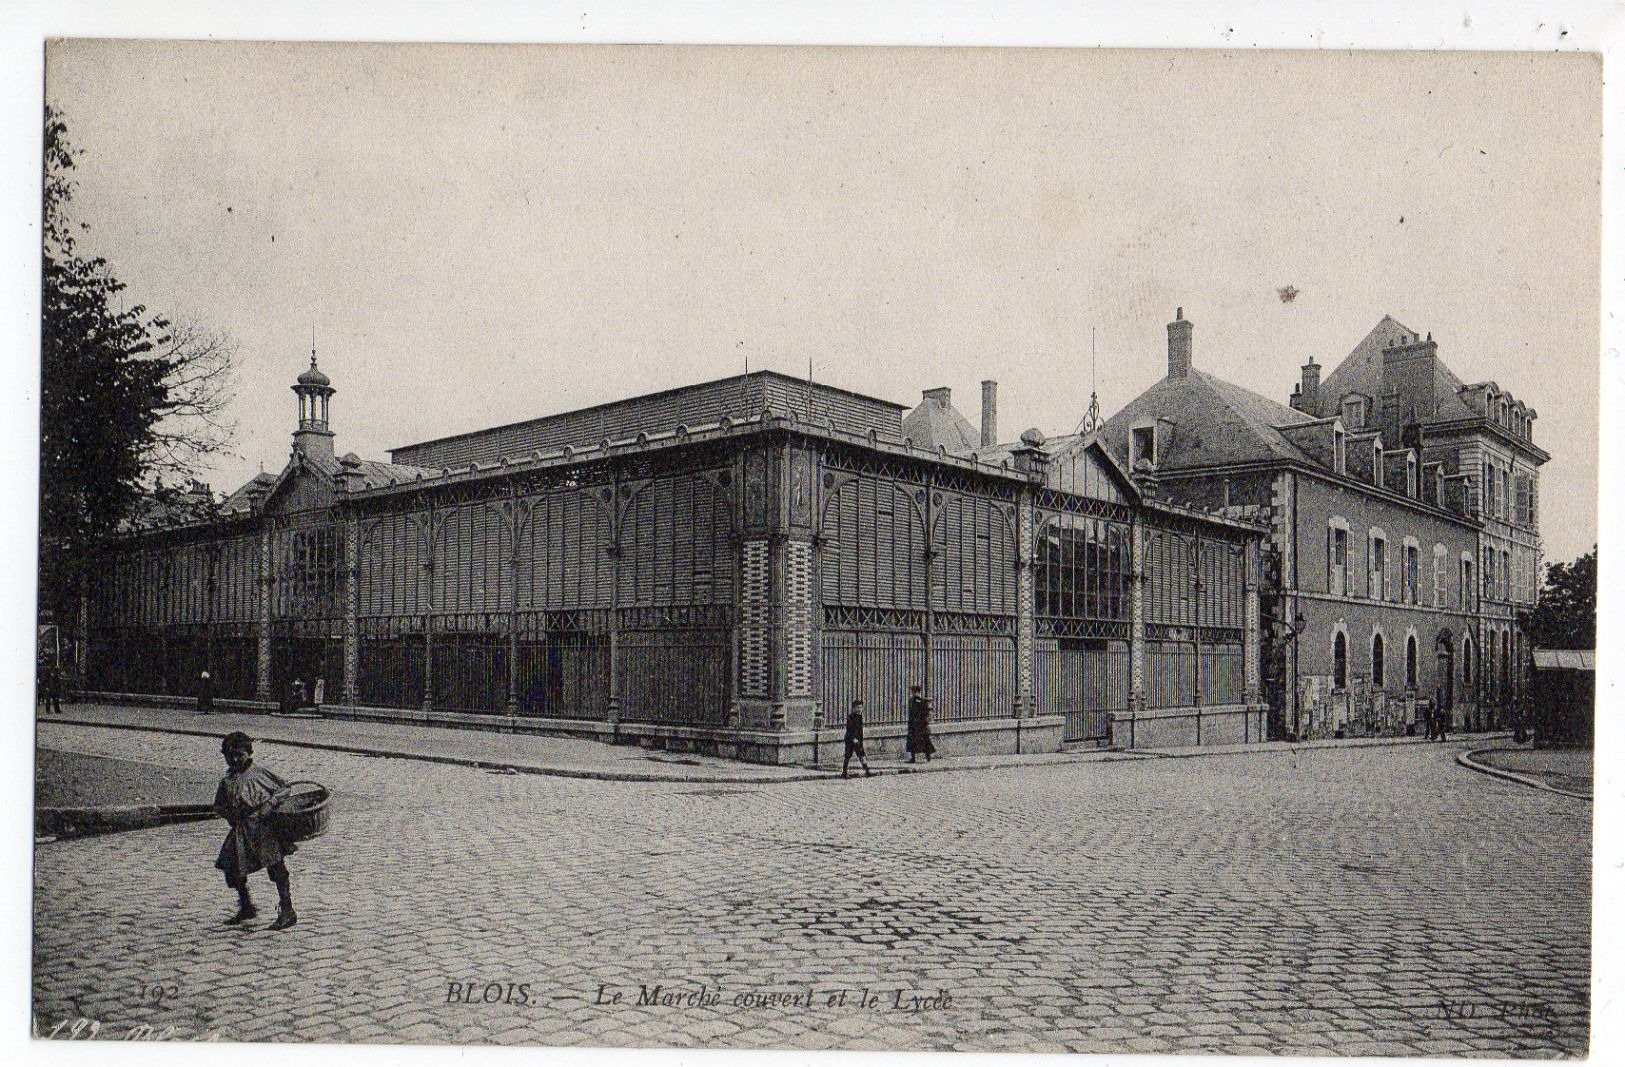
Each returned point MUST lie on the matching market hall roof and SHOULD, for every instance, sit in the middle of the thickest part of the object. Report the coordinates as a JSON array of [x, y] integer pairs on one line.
[[737, 398]]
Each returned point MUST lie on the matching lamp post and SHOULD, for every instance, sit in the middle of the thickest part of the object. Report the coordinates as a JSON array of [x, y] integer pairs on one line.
[[1284, 634]]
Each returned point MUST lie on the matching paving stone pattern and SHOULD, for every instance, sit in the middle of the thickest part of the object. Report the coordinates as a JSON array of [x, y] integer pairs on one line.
[[1381, 901]]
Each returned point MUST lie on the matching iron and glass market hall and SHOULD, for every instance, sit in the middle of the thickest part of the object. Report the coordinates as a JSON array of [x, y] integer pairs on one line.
[[720, 568]]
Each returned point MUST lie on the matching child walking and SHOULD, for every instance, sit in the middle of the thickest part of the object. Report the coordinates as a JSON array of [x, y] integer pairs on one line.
[[854, 741], [245, 798]]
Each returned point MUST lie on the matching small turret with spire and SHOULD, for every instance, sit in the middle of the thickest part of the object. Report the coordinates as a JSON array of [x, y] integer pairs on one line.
[[313, 439]]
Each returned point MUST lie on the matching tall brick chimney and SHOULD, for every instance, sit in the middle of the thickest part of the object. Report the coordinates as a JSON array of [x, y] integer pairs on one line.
[[1179, 345], [990, 413], [1308, 397]]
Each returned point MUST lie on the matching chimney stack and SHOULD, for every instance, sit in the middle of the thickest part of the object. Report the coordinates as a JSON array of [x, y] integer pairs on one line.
[[990, 413], [1309, 391], [1179, 345], [941, 394]]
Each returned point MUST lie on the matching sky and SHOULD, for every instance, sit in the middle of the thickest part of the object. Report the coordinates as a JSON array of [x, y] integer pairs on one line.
[[483, 234]]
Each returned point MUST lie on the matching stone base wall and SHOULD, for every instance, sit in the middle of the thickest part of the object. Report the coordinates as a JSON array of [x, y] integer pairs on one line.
[[1222, 724], [980, 737]]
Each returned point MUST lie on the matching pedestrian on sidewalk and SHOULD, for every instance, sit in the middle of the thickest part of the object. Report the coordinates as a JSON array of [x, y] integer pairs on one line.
[[205, 694], [1442, 726], [854, 740], [1432, 724], [318, 694], [245, 799], [50, 686], [919, 725]]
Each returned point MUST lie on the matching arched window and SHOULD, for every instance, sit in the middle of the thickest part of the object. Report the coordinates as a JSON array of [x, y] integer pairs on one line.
[[1377, 673], [1340, 661], [1410, 662]]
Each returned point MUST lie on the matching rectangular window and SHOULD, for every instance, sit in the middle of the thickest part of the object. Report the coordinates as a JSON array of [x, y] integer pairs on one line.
[[1411, 565], [1377, 582], [1144, 446], [1466, 585], [1338, 560]]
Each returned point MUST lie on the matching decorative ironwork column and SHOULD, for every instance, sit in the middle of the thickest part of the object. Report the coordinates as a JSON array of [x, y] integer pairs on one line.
[[1026, 606], [262, 625], [1137, 540], [1251, 646], [352, 611]]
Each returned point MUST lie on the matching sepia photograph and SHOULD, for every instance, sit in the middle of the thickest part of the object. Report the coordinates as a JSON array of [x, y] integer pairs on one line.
[[797, 547]]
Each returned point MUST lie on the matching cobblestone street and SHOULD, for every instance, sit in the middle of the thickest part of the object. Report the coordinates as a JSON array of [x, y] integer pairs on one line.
[[1361, 901]]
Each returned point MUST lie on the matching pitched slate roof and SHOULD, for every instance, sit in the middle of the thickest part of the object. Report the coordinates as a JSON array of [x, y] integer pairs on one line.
[[1361, 371], [376, 474], [937, 422], [1215, 422], [240, 499]]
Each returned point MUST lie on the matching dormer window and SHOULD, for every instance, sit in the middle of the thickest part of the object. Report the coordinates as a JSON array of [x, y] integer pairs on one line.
[[1339, 451], [1410, 474], [1354, 411], [1143, 445]]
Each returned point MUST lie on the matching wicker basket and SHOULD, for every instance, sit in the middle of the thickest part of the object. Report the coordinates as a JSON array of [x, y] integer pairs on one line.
[[303, 812]]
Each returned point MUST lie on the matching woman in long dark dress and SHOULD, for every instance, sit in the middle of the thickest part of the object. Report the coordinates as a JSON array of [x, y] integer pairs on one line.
[[919, 726]]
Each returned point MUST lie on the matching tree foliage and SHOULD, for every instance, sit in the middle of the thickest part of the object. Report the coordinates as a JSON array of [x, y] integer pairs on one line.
[[1565, 616], [129, 403]]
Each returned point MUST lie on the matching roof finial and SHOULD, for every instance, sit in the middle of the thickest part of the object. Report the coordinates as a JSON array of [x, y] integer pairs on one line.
[[1091, 418], [313, 344]]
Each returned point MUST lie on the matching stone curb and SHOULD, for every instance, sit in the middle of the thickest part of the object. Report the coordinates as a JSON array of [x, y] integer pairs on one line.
[[1466, 760], [468, 761], [818, 774], [1289, 746], [85, 822]]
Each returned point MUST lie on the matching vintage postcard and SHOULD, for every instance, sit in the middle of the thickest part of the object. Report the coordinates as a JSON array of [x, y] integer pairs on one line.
[[949, 549]]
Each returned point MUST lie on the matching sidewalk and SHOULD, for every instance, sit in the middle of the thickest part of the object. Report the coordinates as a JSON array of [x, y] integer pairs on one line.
[[565, 757], [1562, 770], [570, 757]]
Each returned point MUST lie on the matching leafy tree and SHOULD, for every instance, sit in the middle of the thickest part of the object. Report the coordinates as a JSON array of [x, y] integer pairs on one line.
[[1565, 616], [128, 404]]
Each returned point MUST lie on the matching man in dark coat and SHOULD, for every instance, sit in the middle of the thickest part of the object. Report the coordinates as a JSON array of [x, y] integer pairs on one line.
[[854, 740], [50, 686], [205, 694], [919, 726]]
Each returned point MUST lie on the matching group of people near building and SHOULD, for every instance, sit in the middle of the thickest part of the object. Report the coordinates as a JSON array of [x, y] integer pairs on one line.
[[917, 741], [294, 697]]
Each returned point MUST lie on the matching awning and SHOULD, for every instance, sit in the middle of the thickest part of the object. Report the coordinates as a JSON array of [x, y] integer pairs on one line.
[[1565, 659]]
